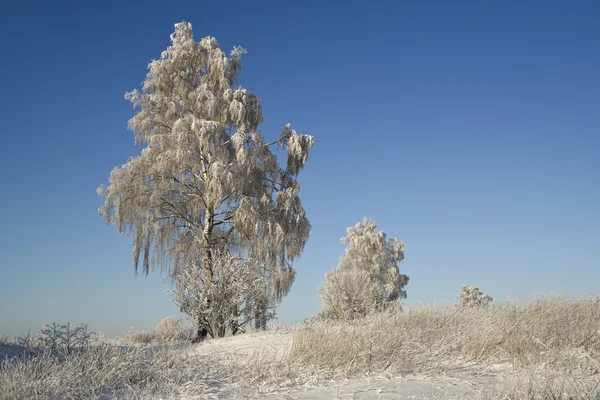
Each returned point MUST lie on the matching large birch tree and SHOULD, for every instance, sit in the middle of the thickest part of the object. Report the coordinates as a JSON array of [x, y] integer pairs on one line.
[[206, 185]]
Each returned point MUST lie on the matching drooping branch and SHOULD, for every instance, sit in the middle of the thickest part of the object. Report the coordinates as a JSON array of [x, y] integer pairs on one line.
[[206, 181]]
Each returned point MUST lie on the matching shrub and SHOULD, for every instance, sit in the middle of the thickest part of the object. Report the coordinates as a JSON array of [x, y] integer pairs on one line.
[[470, 296], [348, 295], [171, 329], [368, 278], [64, 338], [236, 297], [133, 337]]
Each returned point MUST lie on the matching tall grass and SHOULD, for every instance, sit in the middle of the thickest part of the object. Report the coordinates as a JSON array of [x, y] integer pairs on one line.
[[549, 348], [103, 371], [66, 363], [542, 331], [543, 335]]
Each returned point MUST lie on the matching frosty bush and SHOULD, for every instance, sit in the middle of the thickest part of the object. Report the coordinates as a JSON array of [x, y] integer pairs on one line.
[[471, 296], [348, 295], [238, 295], [64, 337], [53, 339], [367, 278], [133, 337], [170, 329]]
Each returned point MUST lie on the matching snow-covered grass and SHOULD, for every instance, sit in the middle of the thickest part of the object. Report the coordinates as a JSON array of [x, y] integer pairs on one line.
[[104, 371], [548, 348], [170, 330], [546, 337], [543, 331]]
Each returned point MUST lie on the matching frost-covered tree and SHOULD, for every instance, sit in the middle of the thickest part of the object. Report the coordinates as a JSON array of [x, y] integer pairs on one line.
[[206, 181], [368, 278], [471, 296], [237, 295]]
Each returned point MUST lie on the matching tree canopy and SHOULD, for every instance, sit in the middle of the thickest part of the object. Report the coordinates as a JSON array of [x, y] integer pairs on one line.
[[206, 183]]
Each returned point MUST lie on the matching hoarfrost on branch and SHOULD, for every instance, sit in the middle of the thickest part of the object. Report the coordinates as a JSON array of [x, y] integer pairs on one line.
[[206, 184]]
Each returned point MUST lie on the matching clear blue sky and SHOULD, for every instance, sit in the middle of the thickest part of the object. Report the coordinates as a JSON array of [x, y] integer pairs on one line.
[[468, 129]]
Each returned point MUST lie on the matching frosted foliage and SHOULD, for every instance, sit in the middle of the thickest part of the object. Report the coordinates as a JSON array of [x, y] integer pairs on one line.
[[371, 261], [348, 295], [206, 180], [169, 328], [238, 293], [470, 296]]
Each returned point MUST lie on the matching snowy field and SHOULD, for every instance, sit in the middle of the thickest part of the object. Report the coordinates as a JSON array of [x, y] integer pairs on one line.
[[460, 385], [545, 349], [266, 345]]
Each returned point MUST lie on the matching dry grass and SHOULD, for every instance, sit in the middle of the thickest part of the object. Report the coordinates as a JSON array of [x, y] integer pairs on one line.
[[136, 365], [550, 346], [164, 334], [103, 371], [536, 337], [548, 384], [545, 331]]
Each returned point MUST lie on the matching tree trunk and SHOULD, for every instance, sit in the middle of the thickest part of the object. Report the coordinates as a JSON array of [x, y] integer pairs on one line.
[[207, 256], [233, 323], [208, 269], [200, 335], [260, 316]]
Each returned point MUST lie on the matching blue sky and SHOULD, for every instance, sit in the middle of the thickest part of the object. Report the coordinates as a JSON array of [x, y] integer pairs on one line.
[[468, 130]]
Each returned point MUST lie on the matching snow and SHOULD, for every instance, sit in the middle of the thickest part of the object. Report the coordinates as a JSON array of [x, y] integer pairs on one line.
[[462, 385]]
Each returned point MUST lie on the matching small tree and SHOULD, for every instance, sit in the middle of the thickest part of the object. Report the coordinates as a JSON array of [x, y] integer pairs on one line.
[[206, 182], [236, 297], [471, 296], [64, 337], [368, 278]]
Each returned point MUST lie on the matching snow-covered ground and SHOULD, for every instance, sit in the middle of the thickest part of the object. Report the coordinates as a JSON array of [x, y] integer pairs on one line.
[[462, 381], [462, 384]]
